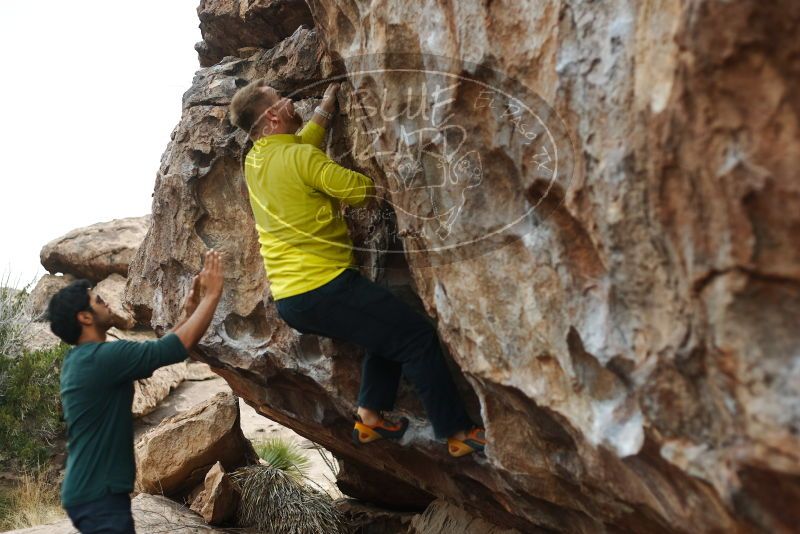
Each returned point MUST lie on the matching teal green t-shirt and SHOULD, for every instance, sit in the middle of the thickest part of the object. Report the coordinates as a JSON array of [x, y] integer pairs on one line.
[[97, 395]]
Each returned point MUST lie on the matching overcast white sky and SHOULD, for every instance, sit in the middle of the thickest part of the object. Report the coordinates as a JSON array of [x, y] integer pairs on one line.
[[90, 92]]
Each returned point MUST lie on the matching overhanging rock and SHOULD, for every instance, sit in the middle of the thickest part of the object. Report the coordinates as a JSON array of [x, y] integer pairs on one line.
[[632, 348]]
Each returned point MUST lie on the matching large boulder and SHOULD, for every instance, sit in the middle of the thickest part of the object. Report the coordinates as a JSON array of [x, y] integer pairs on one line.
[[630, 342], [175, 456], [97, 251]]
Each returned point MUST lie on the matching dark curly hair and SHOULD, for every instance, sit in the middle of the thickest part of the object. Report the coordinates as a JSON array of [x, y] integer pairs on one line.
[[62, 311]]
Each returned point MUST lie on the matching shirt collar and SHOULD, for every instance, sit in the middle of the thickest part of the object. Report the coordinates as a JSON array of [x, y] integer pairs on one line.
[[277, 139]]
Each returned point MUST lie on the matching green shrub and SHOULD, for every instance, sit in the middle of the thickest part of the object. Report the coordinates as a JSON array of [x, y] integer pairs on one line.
[[13, 319], [30, 408]]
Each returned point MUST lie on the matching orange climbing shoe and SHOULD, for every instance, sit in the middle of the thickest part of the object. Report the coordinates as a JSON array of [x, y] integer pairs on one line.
[[363, 433], [473, 442]]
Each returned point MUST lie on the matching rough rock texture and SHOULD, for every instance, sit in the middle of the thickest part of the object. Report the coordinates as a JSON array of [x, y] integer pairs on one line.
[[198, 371], [637, 330], [369, 485], [151, 514], [218, 499], [443, 518], [47, 286], [229, 26], [112, 291], [97, 251], [364, 518], [175, 456]]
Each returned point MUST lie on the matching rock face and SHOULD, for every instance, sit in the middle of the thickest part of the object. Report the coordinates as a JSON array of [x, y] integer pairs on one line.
[[175, 456], [227, 27], [443, 518], [218, 500], [636, 326], [96, 251]]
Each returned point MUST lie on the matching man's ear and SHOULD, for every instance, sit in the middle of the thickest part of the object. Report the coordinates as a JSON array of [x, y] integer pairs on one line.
[[85, 318]]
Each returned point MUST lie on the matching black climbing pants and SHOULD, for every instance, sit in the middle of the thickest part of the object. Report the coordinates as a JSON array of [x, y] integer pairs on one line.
[[396, 338]]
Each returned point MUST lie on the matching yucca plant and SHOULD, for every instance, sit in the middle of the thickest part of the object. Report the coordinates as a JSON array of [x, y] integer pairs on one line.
[[276, 501]]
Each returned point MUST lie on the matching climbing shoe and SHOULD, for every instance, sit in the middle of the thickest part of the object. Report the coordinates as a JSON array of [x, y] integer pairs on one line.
[[473, 442], [363, 433]]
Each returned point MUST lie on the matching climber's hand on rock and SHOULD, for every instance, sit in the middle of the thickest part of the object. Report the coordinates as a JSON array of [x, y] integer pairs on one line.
[[192, 297], [209, 283], [211, 279], [330, 94]]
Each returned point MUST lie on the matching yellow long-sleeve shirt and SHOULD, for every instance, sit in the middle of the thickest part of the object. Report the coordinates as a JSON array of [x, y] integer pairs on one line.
[[295, 190]]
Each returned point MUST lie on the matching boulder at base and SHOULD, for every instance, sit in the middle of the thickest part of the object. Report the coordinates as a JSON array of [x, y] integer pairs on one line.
[[175, 456]]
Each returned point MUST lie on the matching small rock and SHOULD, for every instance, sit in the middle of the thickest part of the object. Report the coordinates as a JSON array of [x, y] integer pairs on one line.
[[198, 371], [219, 498]]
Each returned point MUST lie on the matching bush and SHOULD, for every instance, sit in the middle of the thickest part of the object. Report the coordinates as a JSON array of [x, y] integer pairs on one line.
[[30, 407], [13, 319]]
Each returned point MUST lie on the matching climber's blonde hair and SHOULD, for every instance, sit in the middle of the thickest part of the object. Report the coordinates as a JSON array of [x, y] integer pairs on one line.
[[248, 104]]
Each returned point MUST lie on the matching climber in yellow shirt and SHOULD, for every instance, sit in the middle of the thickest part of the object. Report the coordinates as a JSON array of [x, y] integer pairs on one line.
[[296, 192]]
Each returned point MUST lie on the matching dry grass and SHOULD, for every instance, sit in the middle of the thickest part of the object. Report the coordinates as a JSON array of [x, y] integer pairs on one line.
[[34, 500]]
